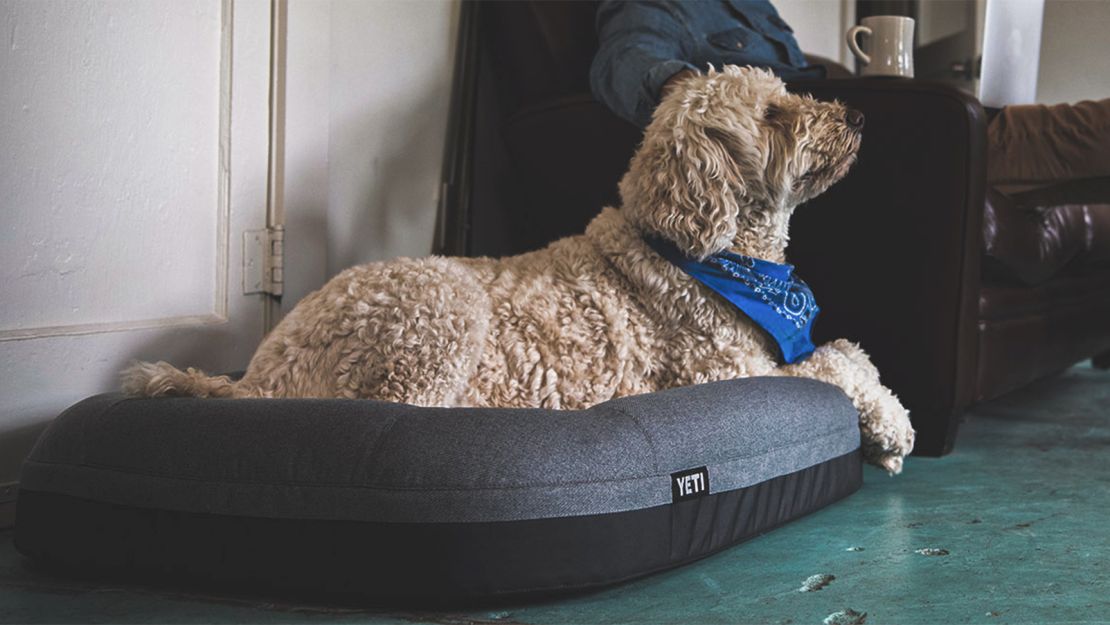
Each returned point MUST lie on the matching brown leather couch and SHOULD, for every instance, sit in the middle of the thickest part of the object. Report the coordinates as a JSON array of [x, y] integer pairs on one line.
[[958, 294]]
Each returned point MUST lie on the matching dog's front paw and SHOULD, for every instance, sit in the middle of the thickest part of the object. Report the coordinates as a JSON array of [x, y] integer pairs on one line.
[[888, 459], [887, 434]]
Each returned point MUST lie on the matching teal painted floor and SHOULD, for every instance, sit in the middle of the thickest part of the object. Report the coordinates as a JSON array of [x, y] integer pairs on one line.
[[1019, 510]]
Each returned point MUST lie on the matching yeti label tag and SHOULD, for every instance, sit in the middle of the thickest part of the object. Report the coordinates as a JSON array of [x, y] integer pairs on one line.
[[689, 484]]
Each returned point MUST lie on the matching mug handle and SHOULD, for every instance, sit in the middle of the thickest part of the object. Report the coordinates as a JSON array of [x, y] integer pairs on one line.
[[853, 45]]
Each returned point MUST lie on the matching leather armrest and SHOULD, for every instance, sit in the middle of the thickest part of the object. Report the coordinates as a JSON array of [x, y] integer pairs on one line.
[[893, 250]]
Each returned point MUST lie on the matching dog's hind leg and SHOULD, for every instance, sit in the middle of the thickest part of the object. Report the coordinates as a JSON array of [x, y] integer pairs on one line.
[[418, 344], [410, 330], [884, 422]]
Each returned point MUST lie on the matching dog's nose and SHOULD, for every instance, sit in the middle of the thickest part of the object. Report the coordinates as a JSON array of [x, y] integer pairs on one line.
[[854, 118]]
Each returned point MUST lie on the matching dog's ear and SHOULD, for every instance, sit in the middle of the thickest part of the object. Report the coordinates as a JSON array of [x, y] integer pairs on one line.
[[683, 184]]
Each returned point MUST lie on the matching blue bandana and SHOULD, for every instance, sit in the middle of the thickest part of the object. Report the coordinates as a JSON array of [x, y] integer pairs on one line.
[[764, 291]]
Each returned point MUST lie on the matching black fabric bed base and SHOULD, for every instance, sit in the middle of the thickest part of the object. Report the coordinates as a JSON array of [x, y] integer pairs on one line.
[[432, 562]]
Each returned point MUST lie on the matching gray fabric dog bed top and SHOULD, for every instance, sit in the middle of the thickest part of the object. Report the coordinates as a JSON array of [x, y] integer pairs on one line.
[[389, 501]]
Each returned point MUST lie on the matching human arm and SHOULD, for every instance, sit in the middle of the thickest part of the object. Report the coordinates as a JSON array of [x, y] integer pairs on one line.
[[642, 46]]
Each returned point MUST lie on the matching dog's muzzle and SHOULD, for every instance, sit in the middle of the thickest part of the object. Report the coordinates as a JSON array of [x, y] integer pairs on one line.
[[854, 119]]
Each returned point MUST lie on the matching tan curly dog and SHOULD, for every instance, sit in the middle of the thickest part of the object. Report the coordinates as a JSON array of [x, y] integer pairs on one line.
[[724, 162]]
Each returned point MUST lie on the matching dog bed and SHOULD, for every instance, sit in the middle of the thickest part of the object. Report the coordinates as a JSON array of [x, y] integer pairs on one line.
[[390, 502]]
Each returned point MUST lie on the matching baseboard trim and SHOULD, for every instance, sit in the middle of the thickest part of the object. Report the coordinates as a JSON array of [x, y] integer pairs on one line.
[[7, 504]]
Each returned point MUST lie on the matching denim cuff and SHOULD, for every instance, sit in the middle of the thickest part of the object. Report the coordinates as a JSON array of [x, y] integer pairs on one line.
[[659, 74]]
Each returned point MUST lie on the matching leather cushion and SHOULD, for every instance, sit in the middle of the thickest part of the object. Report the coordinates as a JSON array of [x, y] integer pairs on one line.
[[1028, 240]]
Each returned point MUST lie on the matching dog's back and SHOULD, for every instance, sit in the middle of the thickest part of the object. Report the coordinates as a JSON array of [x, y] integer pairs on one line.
[[565, 331], [556, 327]]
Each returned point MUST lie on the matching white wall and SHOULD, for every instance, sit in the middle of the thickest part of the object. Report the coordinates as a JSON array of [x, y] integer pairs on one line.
[[135, 146], [368, 87], [819, 25], [1074, 47]]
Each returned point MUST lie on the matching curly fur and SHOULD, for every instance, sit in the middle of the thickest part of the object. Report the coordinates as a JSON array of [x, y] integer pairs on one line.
[[724, 162]]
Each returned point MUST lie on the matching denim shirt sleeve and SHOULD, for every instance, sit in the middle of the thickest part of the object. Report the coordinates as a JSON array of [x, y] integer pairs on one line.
[[641, 45]]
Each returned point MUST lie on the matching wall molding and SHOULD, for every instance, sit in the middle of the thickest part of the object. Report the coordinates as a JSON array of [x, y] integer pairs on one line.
[[220, 301], [223, 199], [112, 326]]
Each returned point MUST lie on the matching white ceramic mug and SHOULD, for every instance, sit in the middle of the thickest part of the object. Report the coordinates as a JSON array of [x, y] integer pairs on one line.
[[889, 44]]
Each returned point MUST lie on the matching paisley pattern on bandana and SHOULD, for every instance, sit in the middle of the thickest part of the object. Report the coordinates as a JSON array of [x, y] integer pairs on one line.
[[768, 293]]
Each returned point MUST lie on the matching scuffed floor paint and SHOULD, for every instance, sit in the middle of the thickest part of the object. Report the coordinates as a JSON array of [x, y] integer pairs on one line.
[[846, 617], [814, 583]]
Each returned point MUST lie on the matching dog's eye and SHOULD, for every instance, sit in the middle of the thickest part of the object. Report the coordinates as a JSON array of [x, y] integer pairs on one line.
[[771, 113]]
